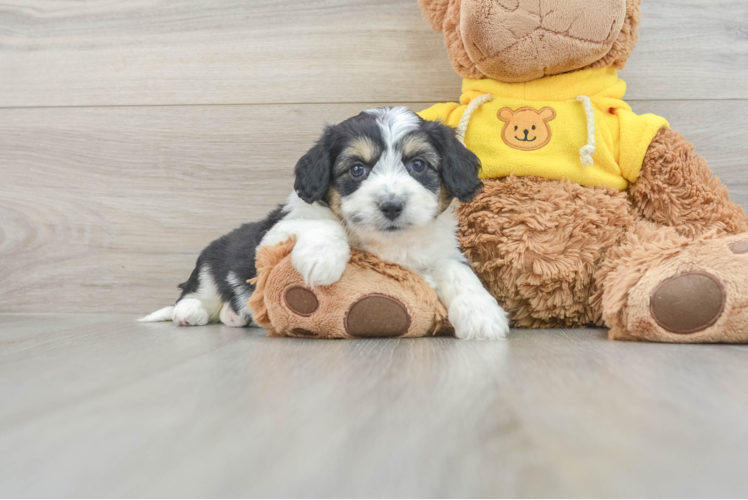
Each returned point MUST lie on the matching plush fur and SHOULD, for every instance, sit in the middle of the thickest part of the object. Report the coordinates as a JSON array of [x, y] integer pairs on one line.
[[536, 244], [558, 254], [676, 188]]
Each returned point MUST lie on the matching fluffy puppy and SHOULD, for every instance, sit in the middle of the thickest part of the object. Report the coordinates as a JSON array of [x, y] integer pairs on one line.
[[383, 182]]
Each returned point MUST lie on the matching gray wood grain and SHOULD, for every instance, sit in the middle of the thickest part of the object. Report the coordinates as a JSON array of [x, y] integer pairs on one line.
[[228, 52], [101, 406], [55, 53], [106, 209]]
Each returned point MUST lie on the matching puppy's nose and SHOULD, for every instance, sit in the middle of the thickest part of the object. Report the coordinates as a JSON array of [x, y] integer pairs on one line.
[[391, 209]]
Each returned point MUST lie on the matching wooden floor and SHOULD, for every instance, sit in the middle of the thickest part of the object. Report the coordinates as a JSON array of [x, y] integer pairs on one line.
[[103, 406]]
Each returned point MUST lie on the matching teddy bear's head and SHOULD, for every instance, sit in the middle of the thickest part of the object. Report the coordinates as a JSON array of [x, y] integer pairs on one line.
[[517, 41]]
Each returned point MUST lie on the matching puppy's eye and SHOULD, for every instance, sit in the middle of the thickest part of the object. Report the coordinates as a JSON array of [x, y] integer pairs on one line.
[[358, 170], [533, 127], [417, 165], [516, 128]]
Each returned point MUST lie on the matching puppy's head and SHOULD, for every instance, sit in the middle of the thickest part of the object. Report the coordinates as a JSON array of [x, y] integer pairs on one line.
[[387, 170]]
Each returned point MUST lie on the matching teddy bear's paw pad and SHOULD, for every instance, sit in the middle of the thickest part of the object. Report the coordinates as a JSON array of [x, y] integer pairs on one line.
[[688, 303], [301, 301], [739, 248], [377, 315]]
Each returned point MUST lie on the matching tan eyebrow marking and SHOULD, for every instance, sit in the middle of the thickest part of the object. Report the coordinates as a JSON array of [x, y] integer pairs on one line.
[[363, 148], [415, 144]]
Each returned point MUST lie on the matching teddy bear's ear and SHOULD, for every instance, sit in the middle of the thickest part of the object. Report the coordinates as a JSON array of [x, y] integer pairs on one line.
[[444, 16], [456, 50], [547, 114], [435, 11], [505, 114]]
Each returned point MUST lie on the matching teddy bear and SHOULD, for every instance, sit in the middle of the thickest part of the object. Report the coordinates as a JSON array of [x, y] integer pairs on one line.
[[590, 214]]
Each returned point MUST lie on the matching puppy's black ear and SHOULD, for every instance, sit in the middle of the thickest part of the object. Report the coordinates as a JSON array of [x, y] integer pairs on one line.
[[314, 169], [460, 166]]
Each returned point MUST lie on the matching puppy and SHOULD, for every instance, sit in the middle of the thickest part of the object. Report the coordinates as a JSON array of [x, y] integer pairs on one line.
[[383, 182]]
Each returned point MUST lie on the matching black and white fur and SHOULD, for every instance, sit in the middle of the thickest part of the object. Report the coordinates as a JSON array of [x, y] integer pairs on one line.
[[383, 182]]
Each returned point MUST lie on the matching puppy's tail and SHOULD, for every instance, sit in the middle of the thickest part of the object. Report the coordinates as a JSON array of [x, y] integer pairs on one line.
[[160, 315]]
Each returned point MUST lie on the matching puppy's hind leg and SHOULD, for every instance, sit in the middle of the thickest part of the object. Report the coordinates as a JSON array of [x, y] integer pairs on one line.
[[237, 312], [190, 312], [200, 303], [230, 318]]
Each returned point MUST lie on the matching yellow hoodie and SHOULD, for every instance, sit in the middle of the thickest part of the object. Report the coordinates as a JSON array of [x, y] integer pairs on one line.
[[573, 126]]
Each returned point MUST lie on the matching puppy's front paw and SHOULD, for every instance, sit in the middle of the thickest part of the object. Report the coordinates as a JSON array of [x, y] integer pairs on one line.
[[478, 318], [320, 264]]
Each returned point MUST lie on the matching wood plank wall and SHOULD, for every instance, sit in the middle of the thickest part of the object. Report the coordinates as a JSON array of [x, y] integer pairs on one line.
[[132, 133]]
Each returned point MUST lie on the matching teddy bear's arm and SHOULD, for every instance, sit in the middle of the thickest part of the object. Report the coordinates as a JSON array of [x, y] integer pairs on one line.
[[446, 112], [677, 188]]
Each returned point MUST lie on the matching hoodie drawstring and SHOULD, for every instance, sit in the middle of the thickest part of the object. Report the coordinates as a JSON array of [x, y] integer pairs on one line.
[[585, 154], [465, 120]]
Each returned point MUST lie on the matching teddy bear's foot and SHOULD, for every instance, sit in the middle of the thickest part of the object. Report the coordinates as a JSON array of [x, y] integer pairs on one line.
[[699, 295], [371, 299]]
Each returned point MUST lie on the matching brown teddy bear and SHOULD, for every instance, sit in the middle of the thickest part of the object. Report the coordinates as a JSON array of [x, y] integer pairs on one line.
[[590, 214]]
